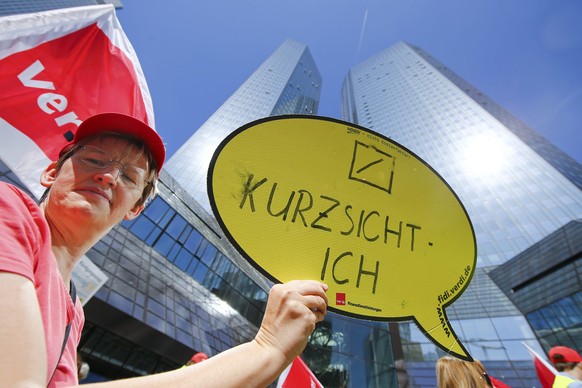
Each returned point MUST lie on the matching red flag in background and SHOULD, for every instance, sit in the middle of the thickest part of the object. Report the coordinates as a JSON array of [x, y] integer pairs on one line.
[[498, 384], [58, 68], [546, 371], [298, 375], [545, 376]]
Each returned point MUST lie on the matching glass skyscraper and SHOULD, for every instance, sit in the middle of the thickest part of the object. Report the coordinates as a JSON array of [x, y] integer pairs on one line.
[[287, 82], [516, 187]]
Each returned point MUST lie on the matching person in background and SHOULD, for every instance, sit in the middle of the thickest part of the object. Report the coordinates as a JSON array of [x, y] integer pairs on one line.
[[197, 358], [105, 175], [82, 367], [453, 372], [569, 365]]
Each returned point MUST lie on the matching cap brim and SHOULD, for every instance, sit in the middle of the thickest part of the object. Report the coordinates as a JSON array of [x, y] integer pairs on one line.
[[125, 124]]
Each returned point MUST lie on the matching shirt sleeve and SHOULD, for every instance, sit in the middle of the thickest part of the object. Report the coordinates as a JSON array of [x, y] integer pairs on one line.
[[22, 229]]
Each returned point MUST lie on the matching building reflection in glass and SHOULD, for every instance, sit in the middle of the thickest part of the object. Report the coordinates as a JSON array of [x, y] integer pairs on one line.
[[345, 352]]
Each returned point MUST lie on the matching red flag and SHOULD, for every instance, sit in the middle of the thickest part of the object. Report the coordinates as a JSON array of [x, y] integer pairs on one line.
[[58, 68], [546, 371], [498, 384], [298, 375], [545, 376]]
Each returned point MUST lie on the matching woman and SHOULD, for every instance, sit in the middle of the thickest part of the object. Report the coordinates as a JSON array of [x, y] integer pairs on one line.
[[456, 373]]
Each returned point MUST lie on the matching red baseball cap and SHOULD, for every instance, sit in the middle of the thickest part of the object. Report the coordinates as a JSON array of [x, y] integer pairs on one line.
[[125, 124], [564, 354]]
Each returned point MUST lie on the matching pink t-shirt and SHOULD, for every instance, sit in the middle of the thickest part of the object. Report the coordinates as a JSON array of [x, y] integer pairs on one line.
[[25, 249]]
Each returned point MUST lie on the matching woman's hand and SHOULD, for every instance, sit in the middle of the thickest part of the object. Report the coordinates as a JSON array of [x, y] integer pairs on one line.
[[292, 311]]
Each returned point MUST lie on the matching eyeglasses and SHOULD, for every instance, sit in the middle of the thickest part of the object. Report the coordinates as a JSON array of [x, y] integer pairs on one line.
[[96, 159], [488, 380]]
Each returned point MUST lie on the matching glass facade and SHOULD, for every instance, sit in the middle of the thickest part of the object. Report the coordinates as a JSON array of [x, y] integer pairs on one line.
[[345, 352], [287, 82], [516, 187], [170, 234], [559, 323], [549, 293]]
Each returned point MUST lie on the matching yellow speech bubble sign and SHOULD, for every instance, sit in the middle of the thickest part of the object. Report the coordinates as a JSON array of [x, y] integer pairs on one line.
[[304, 197]]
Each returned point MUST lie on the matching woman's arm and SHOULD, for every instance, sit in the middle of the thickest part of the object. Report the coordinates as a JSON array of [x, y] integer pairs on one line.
[[292, 311], [22, 344]]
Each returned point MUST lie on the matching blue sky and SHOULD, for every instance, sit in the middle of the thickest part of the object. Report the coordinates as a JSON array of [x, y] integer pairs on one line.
[[525, 54]]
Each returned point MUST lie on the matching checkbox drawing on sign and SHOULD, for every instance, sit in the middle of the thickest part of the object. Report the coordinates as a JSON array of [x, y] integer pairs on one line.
[[372, 167]]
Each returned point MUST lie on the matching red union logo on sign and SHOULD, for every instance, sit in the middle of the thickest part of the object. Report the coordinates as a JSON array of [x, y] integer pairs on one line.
[[340, 299], [49, 89]]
